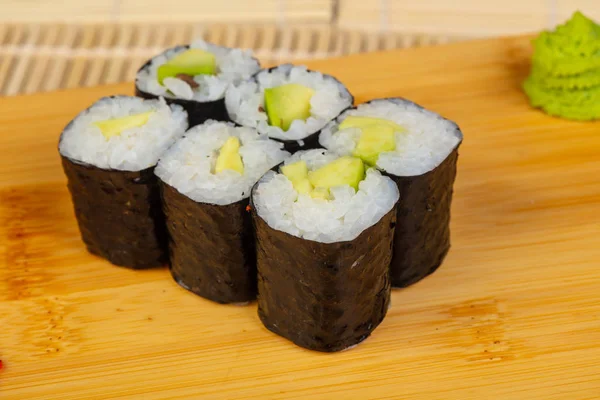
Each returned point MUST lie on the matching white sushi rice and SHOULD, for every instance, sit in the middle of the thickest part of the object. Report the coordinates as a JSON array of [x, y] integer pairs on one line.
[[427, 140], [342, 218], [135, 148], [244, 100], [189, 164], [233, 65]]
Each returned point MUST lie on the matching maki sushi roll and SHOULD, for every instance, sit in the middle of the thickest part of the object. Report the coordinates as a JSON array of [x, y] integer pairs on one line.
[[324, 231], [288, 103], [205, 180], [108, 153], [196, 77], [418, 149]]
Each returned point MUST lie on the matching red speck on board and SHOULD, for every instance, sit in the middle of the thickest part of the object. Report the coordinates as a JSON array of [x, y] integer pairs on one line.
[[248, 208], [1, 365]]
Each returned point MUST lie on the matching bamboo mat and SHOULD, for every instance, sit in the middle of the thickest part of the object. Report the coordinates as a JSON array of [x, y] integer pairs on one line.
[[37, 54], [45, 57]]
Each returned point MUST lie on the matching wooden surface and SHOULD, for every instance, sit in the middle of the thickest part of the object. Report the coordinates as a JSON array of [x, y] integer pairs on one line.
[[514, 312]]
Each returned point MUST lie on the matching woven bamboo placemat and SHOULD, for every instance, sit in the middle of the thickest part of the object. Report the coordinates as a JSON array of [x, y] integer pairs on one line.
[[44, 57]]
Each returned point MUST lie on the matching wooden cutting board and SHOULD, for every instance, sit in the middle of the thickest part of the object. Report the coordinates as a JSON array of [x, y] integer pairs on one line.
[[514, 312]]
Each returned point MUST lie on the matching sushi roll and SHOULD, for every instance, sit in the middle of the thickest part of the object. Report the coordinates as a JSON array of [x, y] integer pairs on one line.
[[288, 103], [324, 230], [418, 149], [196, 77], [108, 154], [205, 181]]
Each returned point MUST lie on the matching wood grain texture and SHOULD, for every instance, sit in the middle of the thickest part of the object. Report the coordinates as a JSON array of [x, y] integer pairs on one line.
[[513, 313]]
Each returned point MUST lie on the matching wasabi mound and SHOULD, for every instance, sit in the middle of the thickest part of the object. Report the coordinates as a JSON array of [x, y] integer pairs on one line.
[[565, 74]]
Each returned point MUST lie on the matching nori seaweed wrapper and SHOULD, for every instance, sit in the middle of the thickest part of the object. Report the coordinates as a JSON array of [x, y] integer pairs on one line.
[[211, 247], [119, 214], [422, 237], [312, 140], [324, 296], [198, 111]]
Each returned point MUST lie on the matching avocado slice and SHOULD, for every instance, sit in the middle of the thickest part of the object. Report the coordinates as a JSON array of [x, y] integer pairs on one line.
[[191, 62], [116, 126], [303, 186], [373, 141], [229, 156], [320, 193], [345, 170], [286, 103], [297, 173], [377, 135]]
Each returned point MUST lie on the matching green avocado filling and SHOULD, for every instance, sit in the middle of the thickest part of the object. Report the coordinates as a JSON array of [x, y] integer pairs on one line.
[[229, 157], [297, 173], [565, 74], [286, 103], [316, 184], [377, 135], [189, 63], [116, 126]]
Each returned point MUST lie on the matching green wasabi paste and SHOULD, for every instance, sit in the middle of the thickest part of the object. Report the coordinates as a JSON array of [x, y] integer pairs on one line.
[[585, 80], [565, 74], [583, 105], [571, 49]]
